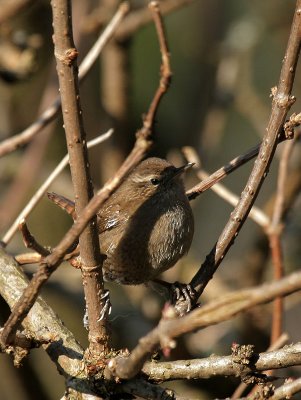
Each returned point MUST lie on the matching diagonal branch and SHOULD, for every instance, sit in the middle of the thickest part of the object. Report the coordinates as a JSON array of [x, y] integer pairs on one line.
[[13, 143], [282, 101], [43, 189]]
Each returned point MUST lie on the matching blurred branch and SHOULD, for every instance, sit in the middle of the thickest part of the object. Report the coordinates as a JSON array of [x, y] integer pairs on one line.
[[11, 144], [287, 390], [43, 188], [212, 313], [12, 9], [136, 20], [275, 236], [31, 161], [144, 142], [282, 101]]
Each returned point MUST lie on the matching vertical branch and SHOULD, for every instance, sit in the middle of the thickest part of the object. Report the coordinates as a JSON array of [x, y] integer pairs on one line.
[[66, 55], [115, 79], [275, 235], [144, 142]]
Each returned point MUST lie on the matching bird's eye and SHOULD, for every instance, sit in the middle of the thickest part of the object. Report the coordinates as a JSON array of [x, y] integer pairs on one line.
[[154, 181]]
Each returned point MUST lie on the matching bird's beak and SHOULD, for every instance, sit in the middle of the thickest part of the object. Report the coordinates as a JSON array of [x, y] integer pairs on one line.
[[181, 170], [184, 168]]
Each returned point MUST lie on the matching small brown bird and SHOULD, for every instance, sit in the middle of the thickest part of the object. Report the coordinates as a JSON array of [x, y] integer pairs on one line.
[[147, 225]]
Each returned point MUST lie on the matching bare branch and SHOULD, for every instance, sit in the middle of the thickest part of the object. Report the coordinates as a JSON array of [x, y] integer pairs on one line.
[[287, 390], [280, 342], [212, 313], [30, 241], [282, 101], [43, 188], [275, 235], [13, 143], [91, 260], [223, 366], [66, 353], [256, 214], [143, 144]]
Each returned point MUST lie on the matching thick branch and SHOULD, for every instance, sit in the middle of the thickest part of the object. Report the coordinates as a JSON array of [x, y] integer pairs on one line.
[[223, 366], [91, 262], [212, 313], [42, 323]]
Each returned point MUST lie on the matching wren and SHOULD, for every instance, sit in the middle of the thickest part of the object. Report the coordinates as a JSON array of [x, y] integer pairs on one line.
[[147, 224]]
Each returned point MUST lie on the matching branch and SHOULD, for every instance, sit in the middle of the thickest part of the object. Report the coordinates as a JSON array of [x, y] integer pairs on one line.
[[212, 313], [134, 21], [12, 9], [42, 323], [287, 390], [45, 185], [91, 259], [223, 366], [13, 143], [228, 168], [282, 101], [144, 142], [275, 235], [256, 214], [29, 240]]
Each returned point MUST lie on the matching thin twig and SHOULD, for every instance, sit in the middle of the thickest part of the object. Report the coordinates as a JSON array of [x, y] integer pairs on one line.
[[228, 168], [134, 21], [275, 236], [144, 142], [256, 213], [282, 101], [43, 188], [212, 313], [13, 143]]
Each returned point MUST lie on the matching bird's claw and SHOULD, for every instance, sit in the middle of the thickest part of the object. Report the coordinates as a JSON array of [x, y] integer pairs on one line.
[[182, 297], [106, 309]]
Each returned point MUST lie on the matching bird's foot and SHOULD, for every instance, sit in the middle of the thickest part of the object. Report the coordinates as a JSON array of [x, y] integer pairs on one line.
[[183, 297]]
